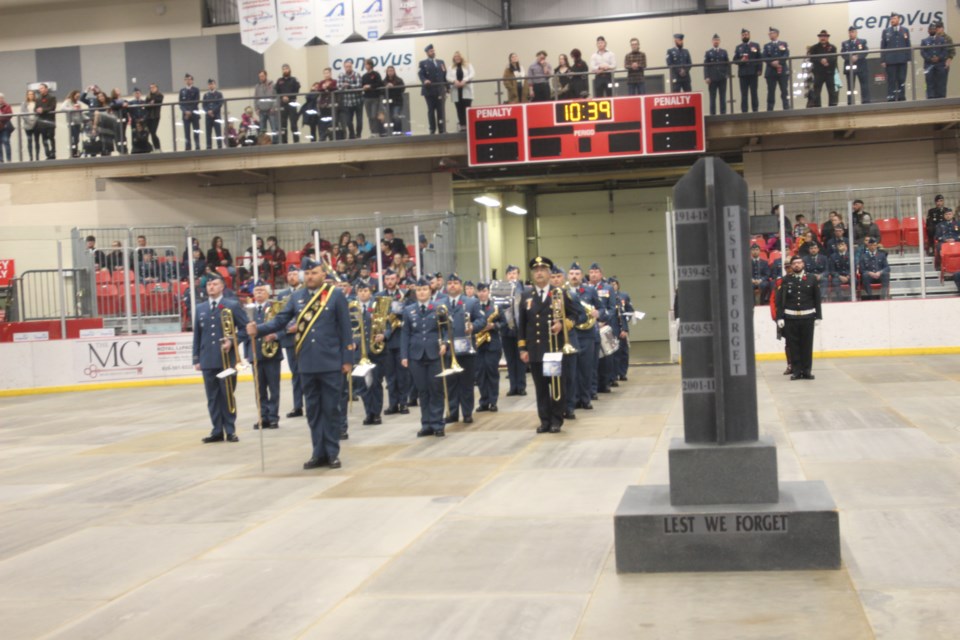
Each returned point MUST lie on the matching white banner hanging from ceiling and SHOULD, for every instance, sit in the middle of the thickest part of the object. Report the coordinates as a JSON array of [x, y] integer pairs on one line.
[[738, 5], [407, 16], [371, 19], [334, 20], [258, 23], [298, 21]]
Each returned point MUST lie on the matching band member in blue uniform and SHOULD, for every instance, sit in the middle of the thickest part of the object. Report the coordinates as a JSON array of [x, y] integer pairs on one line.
[[625, 306], [268, 366], [749, 66], [489, 350], [325, 354], [349, 382], [777, 54], [605, 368], [421, 346], [535, 324], [398, 378], [570, 360], [465, 319], [373, 392], [587, 338], [288, 340], [516, 370], [213, 353]]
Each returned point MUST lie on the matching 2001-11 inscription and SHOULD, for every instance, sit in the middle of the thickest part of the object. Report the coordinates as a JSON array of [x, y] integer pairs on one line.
[[727, 523]]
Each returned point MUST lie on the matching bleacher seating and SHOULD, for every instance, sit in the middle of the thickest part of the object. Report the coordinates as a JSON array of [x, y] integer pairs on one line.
[[949, 259], [910, 234], [891, 236]]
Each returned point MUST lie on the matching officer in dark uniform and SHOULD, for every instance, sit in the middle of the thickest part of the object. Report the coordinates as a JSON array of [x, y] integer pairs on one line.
[[288, 340], [934, 54], [398, 378], [373, 392], [213, 354], [606, 371], [854, 52], [268, 368], [516, 370], [747, 57], [325, 354], [760, 275], [947, 231], [465, 319], [716, 71], [587, 339], [838, 271], [421, 346], [816, 264], [535, 324], [190, 111], [874, 269], [823, 57], [433, 76], [212, 109], [679, 61], [934, 217], [488, 353], [798, 312], [895, 62], [777, 73]]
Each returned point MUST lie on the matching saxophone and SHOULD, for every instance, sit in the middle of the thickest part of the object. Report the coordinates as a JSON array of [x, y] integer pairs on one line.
[[483, 336]]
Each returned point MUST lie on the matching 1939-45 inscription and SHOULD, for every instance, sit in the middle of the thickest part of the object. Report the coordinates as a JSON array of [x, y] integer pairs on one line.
[[726, 523]]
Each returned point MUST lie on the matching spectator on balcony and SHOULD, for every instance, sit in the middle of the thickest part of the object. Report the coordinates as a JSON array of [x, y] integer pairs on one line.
[[635, 62], [951, 51], [75, 112], [716, 72], [749, 67], [372, 83], [460, 76], [579, 75], [855, 51], [838, 270], [287, 88], [140, 138], [395, 96], [816, 264], [344, 241], [249, 127], [350, 101], [46, 121], [199, 264], [195, 243], [894, 57], [866, 228], [538, 78], [114, 260], [348, 265], [309, 112], [562, 88], [874, 269], [213, 110], [603, 63], [934, 217], [432, 73], [934, 54], [513, 80], [119, 109], [325, 101], [386, 253], [777, 54], [857, 211], [826, 230], [142, 247], [28, 121], [823, 57], [135, 107], [6, 128], [99, 259], [364, 246], [152, 113], [265, 101], [190, 112], [760, 275], [219, 256], [679, 61]]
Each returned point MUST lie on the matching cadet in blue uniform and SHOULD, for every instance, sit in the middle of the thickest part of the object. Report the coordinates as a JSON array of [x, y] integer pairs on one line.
[[398, 378], [874, 269], [433, 76], [678, 59], [516, 370], [211, 351], [536, 321], [934, 54], [465, 319], [587, 339], [798, 312], [716, 72], [212, 108], [816, 264], [777, 73], [372, 393], [895, 62], [606, 371], [488, 353], [854, 52], [838, 272], [350, 384], [189, 111], [421, 347], [268, 368], [325, 354], [747, 57], [760, 273], [288, 340]]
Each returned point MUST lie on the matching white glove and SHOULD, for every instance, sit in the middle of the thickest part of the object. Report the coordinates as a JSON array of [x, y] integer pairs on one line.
[[780, 323], [816, 323]]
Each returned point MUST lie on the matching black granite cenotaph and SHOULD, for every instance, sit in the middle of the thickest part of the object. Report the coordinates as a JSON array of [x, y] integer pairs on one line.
[[724, 509]]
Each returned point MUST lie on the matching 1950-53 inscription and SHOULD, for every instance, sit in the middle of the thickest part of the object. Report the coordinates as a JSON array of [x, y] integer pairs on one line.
[[727, 523]]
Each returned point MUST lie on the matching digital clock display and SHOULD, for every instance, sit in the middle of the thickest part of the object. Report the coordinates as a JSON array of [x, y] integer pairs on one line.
[[584, 111]]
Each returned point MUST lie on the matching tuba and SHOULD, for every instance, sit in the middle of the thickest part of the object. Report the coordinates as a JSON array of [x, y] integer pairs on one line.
[[270, 349], [358, 330], [378, 323], [483, 336], [444, 320]]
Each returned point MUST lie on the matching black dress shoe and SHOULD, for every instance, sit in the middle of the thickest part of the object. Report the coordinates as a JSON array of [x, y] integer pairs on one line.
[[614, 384], [788, 370], [555, 428], [493, 408], [335, 464], [467, 419], [273, 425], [344, 435], [451, 419], [543, 428], [414, 403], [210, 439], [439, 433], [593, 396], [578, 405], [233, 438], [809, 376], [587, 407], [404, 410], [622, 378], [569, 415], [521, 393], [377, 420], [368, 420], [603, 391], [424, 432], [390, 411], [512, 393], [796, 376], [483, 407], [313, 463], [296, 413]]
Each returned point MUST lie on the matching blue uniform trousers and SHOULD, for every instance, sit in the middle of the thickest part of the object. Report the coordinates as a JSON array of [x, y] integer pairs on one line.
[[516, 370], [623, 357], [586, 367], [896, 81], [488, 375], [268, 379], [291, 354], [373, 393], [595, 369], [217, 391], [570, 384], [460, 386], [398, 378], [430, 392], [322, 393]]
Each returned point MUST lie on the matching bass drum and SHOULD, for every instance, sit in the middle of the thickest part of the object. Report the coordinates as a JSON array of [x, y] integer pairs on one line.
[[609, 343]]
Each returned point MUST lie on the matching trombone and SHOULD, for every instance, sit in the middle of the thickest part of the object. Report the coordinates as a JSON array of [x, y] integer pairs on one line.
[[229, 329], [444, 320], [559, 314]]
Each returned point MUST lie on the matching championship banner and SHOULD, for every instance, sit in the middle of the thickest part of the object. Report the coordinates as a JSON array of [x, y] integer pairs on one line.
[[258, 23], [408, 16], [334, 20], [372, 18], [298, 22]]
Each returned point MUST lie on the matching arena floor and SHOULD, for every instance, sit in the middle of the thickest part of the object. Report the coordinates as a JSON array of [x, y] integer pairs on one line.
[[117, 523]]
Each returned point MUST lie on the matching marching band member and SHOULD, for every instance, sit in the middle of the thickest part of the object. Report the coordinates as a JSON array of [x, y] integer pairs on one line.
[[625, 306], [288, 340], [589, 339], [398, 378], [516, 370], [605, 366], [570, 360], [268, 367], [488, 353], [465, 318], [372, 393], [421, 348]]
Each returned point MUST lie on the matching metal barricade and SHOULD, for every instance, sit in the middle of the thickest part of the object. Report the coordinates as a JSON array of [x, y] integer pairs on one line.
[[41, 294]]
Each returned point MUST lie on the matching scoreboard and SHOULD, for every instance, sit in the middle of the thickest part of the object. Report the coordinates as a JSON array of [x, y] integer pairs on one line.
[[586, 129]]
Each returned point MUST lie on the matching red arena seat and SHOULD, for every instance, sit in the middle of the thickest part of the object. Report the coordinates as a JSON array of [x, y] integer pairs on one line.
[[890, 235]]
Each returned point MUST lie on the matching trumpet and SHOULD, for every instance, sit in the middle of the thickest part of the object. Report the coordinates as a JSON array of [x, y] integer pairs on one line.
[[270, 349], [358, 330], [483, 336], [378, 324]]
